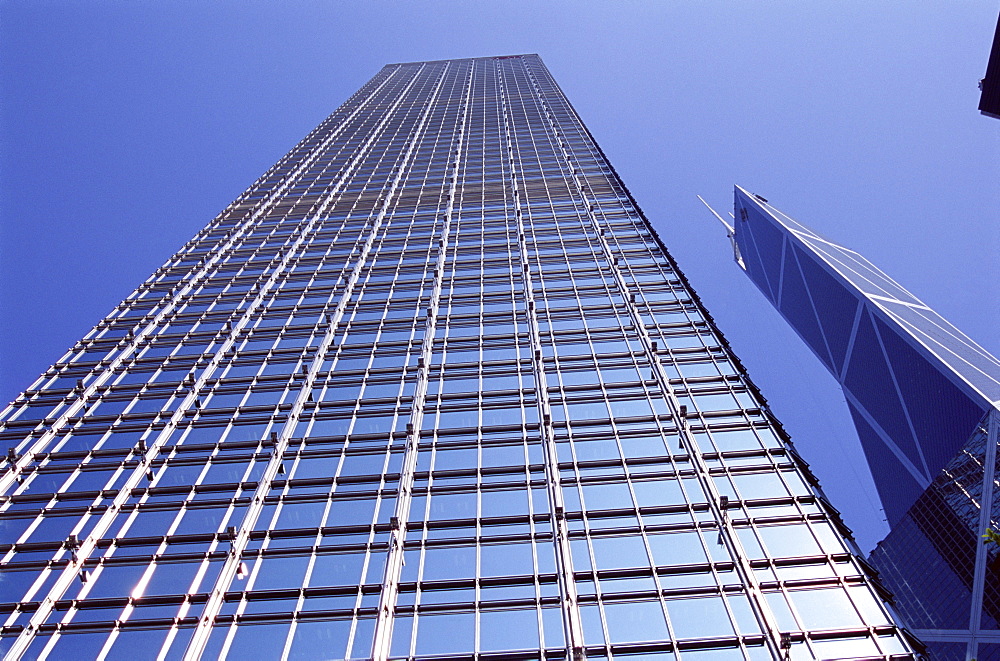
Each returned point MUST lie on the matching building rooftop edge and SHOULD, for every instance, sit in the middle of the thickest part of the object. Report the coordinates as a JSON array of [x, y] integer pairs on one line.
[[466, 59]]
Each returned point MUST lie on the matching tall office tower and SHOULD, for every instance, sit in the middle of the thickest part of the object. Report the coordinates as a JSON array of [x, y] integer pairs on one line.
[[926, 403], [431, 387]]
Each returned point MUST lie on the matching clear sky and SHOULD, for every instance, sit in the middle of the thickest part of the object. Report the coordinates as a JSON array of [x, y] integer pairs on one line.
[[126, 126]]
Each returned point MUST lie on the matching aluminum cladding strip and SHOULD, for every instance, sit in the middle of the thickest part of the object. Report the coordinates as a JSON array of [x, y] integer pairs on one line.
[[71, 570], [212, 607], [572, 619], [394, 563], [992, 429], [177, 294], [761, 610]]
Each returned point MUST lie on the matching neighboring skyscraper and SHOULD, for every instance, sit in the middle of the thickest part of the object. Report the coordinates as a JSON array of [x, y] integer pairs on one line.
[[431, 386], [924, 398]]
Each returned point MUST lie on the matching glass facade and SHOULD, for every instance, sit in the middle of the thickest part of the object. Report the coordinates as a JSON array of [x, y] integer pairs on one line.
[[432, 387], [945, 579], [924, 398]]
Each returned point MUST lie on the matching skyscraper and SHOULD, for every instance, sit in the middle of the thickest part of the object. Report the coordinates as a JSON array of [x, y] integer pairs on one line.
[[925, 400], [432, 386]]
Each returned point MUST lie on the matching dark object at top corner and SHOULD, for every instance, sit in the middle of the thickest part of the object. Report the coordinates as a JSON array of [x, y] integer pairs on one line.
[[989, 100]]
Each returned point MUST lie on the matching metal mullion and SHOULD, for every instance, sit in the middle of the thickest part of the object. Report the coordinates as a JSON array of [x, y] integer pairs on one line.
[[627, 477], [991, 426], [150, 327], [200, 637], [182, 607], [382, 639], [763, 612], [572, 621], [311, 565]]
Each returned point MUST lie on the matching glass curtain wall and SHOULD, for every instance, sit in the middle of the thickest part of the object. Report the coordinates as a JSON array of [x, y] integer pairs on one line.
[[431, 387]]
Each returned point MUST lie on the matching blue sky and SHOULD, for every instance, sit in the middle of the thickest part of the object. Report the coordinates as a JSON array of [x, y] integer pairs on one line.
[[127, 126]]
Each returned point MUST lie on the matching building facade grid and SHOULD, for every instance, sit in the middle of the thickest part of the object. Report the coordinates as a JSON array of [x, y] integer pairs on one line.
[[431, 387]]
